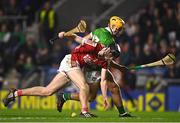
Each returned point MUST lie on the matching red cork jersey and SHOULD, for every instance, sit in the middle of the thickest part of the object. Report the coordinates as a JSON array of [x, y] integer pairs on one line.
[[87, 54]]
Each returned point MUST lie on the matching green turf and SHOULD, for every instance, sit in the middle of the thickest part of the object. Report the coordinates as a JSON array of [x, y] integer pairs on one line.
[[9, 115]]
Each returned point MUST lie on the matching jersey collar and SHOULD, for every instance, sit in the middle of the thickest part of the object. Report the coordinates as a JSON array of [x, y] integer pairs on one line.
[[108, 29]]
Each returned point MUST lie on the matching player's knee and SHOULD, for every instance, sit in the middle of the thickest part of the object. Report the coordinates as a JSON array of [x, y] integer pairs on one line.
[[113, 88], [84, 87]]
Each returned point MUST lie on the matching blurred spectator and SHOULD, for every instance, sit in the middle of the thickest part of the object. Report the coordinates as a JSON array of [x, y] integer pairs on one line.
[[178, 24], [163, 49], [178, 7], [47, 20], [29, 8], [12, 8], [30, 47], [12, 79], [1, 14], [29, 64], [137, 55], [4, 33], [20, 63], [148, 55], [16, 39], [145, 23], [42, 56], [19, 34], [159, 35], [150, 41], [2, 66], [168, 21], [125, 57], [58, 53], [1, 82], [131, 28], [173, 40], [24, 64], [25, 56]]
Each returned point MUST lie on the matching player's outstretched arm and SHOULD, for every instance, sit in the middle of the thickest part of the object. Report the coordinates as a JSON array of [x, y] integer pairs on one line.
[[103, 84], [76, 38]]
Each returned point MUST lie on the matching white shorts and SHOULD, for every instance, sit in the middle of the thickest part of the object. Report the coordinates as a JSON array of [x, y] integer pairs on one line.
[[65, 65]]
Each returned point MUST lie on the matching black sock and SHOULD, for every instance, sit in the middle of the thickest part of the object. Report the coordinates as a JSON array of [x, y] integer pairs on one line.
[[121, 110]]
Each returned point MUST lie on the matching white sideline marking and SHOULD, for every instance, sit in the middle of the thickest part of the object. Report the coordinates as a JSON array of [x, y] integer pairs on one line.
[[20, 118], [158, 118]]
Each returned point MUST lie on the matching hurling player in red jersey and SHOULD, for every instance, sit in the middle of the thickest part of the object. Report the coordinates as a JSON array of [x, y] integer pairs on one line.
[[70, 68]]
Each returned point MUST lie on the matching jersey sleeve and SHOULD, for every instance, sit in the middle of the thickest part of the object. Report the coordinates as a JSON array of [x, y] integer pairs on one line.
[[95, 35], [104, 64]]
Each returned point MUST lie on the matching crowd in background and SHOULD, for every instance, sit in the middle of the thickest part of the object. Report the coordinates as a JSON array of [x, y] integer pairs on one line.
[[152, 33], [21, 50], [149, 35]]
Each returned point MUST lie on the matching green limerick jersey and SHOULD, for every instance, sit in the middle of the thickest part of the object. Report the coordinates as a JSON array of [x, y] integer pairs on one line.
[[103, 36]]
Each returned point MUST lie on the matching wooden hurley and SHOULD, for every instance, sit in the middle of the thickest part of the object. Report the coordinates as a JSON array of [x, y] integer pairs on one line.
[[167, 60], [80, 28]]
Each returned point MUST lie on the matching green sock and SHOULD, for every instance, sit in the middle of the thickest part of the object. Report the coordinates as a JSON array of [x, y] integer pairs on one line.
[[121, 110], [67, 96]]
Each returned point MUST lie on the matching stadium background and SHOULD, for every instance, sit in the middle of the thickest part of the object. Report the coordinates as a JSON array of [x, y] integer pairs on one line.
[[28, 59]]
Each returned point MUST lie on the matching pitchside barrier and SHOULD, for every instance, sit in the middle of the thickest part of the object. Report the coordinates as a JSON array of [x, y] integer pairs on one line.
[[168, 100]]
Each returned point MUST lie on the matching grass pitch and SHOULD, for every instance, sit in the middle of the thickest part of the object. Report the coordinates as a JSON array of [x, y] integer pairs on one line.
[[9, 115]]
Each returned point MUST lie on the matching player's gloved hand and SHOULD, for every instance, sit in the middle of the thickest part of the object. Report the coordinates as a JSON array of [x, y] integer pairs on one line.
[[106, 54], [67, 35], [102, 52], [61, 34], [106, 103], [109, 57]]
